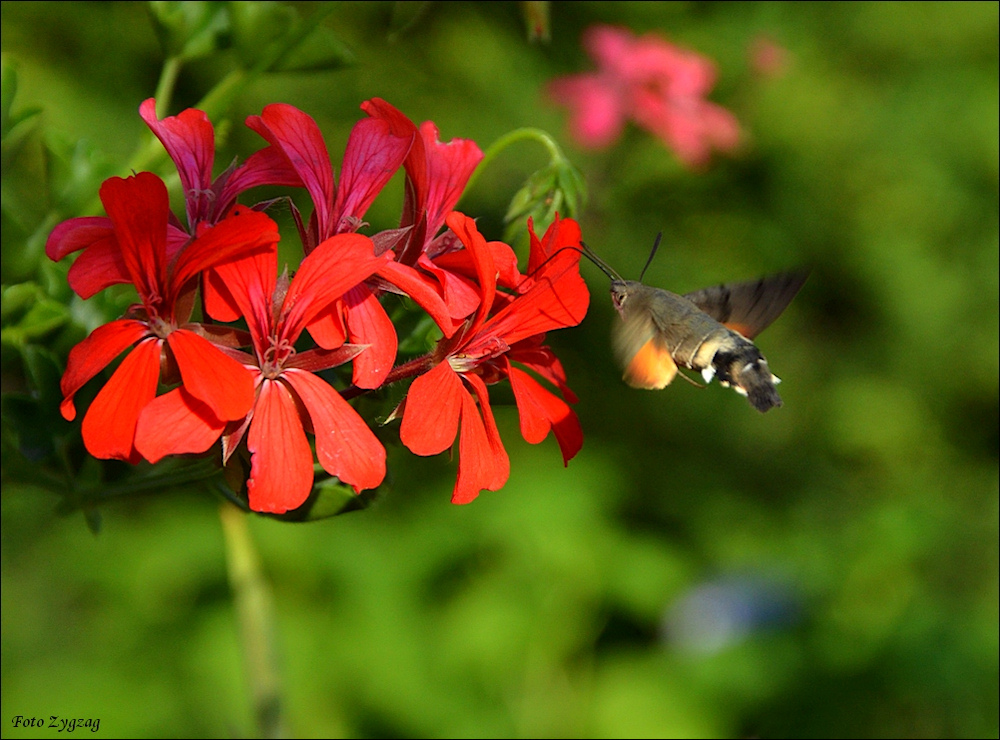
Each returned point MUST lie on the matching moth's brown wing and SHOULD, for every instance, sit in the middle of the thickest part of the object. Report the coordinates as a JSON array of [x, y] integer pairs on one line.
[[643, 354], [749, 308]]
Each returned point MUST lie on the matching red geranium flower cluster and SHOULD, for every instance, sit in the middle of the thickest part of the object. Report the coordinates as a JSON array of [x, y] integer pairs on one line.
[[186, 384]]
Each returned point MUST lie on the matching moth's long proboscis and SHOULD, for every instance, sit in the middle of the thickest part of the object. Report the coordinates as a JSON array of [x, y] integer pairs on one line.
[[604, 266]]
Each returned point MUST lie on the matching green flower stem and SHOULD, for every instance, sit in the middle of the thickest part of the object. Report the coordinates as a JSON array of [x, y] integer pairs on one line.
[[515, 136], [165, 87], [254, 603]]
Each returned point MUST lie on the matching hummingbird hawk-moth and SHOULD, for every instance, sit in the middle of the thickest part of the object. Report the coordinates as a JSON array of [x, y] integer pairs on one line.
[[709, 331]]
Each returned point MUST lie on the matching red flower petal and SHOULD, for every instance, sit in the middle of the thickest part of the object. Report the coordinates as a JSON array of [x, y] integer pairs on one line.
[[539, 410], [139, 208], [504, 260], [416, 159], [100, 265], [328, 331], [433, 407], [542, 360], [93, 354], [557, 298], [461, 294], [239, 235], [109, 425], [465, 229], [415, 285], [215, 379], [327, 273], [249, 284], [175, 423], [281, 472], [482, 461], [345, 446], [562, 235], [368, 323]]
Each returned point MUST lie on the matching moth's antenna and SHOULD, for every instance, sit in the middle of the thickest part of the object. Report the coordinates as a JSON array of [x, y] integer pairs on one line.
[[656, 245], [604, 266], [550, 258]]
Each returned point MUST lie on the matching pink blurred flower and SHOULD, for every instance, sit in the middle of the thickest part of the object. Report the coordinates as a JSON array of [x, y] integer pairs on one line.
[[768, 58], [651, 82]]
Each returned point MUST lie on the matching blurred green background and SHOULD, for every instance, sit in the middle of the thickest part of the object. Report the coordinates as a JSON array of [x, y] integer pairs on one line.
[[829, 569]]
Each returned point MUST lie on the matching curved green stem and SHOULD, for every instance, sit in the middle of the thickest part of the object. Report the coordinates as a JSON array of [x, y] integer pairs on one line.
[[513, 137]]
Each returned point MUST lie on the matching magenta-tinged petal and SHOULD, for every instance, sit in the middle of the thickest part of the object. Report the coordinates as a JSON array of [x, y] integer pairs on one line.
[[368, 324], [416, 159], [607, 44], [176, 423], [372, 156], [296, 135], [190, 141], [433, 407], [281, 470], [75, 234], [109, 425], [93, 354], [268, 166], [215, 379], [449, 167], [345, 446]]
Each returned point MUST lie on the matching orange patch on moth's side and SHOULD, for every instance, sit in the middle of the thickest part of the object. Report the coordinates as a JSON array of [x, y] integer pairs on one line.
[[741, 329], [651, 368]]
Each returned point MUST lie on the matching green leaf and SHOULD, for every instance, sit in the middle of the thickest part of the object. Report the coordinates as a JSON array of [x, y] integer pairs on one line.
[[29, 315], [558, 187], [405, 15], [189, 30], [320, 50], [31, 413], [258, 26]]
